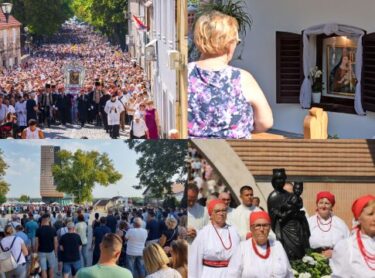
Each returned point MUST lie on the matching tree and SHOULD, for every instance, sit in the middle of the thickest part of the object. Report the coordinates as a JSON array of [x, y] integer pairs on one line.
[[24, 199], [42, 17], [161, 163], [77, 173], [106, 15], [4, 186]]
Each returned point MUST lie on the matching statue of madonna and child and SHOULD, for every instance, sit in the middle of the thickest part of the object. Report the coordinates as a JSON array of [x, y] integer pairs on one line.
[[288, 220]]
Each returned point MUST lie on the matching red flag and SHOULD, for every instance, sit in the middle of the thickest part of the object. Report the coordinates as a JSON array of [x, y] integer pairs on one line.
[[139, 23]]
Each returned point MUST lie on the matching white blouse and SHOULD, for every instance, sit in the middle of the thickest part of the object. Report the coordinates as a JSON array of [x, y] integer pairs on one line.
[[334, 232], [245, 263], [347, 260]]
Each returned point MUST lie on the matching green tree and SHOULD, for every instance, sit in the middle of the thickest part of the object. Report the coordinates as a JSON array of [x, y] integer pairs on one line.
[[24, 198], [106, 15], [162, 162], [4, 186], [77, 173], [42, 17]]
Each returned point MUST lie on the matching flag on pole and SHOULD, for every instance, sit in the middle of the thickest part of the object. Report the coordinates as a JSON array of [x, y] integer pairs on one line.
[[140, 25]]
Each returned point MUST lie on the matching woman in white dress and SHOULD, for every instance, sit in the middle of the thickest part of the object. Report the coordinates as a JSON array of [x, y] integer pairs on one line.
[[214, 245], [326, 229], [355, 256], [156, 263], [260, 256]]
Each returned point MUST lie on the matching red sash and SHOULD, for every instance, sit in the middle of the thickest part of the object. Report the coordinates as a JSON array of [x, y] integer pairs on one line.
[[215, 263]]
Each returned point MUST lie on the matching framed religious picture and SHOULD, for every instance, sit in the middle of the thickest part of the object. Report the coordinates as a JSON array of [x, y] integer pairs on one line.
[[340, 78], [74, 76]]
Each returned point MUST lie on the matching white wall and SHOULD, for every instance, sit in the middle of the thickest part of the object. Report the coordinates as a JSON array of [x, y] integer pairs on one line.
[[164, 20], [259, 56]]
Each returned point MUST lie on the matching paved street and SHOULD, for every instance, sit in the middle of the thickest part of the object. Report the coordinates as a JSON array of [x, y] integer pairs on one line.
[[76, 132]]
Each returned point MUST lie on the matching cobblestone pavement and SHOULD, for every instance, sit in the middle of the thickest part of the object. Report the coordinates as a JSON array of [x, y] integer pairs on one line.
[[76, 132]]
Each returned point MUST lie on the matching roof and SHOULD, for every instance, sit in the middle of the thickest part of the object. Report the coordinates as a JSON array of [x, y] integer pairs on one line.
[[12, 22], [102, 203], [309, 160]]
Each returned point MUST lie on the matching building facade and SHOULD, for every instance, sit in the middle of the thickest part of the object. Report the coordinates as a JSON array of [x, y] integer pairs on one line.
[[10, 44], [161, 50], [48, 190]]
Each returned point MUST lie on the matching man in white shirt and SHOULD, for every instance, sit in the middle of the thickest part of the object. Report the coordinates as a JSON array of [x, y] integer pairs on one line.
[[3, 110], [136, 239], [197, 214], [138, 128], [240, 216]]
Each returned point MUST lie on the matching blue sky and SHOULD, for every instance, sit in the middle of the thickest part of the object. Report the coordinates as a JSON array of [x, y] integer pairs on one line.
[[23, 159]]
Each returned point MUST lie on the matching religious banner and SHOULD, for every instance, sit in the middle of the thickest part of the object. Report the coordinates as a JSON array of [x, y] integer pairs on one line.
[[74, 76]]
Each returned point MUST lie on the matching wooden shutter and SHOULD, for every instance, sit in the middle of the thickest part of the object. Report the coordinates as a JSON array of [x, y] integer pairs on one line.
[[368, 72], [289, 68]]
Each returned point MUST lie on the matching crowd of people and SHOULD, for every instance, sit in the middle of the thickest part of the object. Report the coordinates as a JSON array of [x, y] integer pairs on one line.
[[226, 240], [49, 240], [113, 94]]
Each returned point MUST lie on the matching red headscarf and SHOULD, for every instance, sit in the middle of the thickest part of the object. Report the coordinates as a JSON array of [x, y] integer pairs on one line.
[[360, 203], [254, 216], [212, 204], [327, 195]]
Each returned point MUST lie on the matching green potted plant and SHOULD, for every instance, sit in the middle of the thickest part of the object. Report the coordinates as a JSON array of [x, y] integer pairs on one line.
[[317, 84]]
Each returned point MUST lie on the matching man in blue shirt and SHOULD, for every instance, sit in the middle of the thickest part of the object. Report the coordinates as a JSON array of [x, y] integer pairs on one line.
[[97, 238], [153, 228], [111, 221], [31, 227]]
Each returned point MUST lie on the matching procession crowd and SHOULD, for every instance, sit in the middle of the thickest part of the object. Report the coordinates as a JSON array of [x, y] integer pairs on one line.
[[49, 240], [244, 241], [111, 92]]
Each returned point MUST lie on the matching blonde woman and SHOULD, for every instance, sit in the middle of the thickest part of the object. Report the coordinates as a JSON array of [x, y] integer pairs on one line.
[[223, 101], [179, 252], [156, 263], [169, 234]]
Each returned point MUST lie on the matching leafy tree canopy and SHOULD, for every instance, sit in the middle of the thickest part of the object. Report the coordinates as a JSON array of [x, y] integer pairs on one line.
[[161, 163], [4, 186], [77, 173], [24, 198]]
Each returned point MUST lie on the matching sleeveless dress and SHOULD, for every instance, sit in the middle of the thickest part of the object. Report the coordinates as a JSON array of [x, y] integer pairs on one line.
[[216, 105], [151, 123], [32, 134]]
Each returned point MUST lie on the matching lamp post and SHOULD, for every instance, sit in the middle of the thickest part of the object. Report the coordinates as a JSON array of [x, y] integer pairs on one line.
[[6, 9]]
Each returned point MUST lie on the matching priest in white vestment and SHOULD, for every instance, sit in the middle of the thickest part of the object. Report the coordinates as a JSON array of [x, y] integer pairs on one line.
[[197, 214], [241, 215], [354, 257], [212, 249]]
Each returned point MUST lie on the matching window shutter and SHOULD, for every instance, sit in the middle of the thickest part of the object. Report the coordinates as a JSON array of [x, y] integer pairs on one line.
[[368, 72], [289, 67]]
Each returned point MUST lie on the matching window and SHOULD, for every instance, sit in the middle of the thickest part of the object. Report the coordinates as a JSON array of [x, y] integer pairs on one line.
[[5, 36], [14, 35], [338, 76]]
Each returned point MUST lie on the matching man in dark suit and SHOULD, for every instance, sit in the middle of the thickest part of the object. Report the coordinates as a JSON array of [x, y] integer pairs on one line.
[[103, 100], [45, 105]]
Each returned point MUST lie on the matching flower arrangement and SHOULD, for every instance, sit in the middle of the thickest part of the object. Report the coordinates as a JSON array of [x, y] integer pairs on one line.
[[316, 78], [312, 265]]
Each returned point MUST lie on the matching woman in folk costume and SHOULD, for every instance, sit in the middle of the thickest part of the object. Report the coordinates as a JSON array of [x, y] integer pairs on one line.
[[214, 245], [260, 256], [326, 229], [355, 256], [113, 108]]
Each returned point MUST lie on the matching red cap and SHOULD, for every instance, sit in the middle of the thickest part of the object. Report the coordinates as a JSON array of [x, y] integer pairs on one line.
[[211, 205], [327, 195], [254, 216], [360, 203]]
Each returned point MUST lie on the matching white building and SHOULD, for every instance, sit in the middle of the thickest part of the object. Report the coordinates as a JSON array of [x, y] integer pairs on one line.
[[277, 65], [162, 55], [10, 46]]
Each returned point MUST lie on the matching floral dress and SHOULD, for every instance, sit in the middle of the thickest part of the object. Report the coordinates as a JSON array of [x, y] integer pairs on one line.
[[216, 105]]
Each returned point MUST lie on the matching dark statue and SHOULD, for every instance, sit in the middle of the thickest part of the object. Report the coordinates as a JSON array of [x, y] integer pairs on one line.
[[289, 222]]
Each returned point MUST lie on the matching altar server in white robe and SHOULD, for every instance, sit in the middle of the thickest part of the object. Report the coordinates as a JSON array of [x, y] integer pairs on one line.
[[212, 249], [259, 256], [326, 229], [240, 216], [114, 108], [354, 257], [197, 214]]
